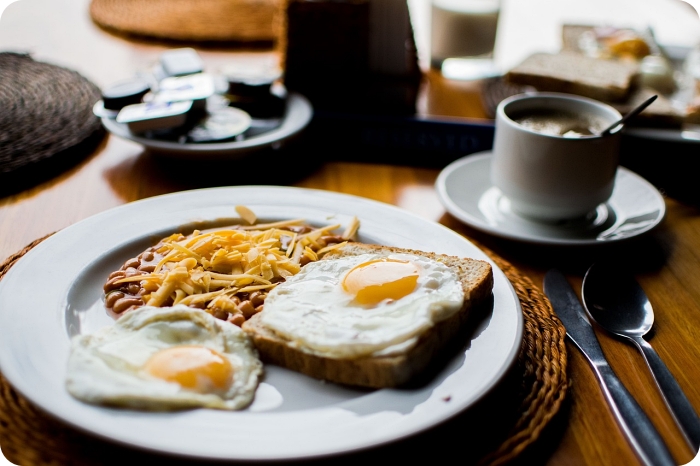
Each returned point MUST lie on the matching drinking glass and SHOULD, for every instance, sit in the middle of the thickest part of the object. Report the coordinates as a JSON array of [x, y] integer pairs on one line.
[[462, 37]]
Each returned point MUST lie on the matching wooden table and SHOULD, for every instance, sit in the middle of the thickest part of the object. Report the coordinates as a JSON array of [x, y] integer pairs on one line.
[[665, 262]]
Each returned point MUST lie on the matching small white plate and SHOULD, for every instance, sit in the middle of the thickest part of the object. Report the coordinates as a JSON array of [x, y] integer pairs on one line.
[[297, 116], [55, 291], [465, 190]]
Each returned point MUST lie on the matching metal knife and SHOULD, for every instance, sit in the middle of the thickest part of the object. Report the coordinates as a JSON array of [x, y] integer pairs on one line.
[[638, 429]]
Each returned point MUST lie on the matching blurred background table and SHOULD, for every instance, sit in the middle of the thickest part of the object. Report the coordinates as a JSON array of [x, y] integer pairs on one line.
[[665, 262]]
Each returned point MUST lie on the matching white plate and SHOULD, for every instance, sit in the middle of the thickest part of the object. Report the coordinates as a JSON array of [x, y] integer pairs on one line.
[[297, 116], [55, 291], [465, 190]]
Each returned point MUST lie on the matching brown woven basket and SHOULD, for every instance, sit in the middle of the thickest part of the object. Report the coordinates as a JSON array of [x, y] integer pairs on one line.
[[191, 20], [30, 437], [46, 119]]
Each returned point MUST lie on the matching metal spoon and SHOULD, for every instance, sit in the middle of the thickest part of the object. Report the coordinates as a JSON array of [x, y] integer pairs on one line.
[[617, 303], [634, 112]]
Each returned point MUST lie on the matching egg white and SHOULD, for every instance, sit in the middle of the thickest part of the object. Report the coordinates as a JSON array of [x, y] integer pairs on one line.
[[106, 367], [317, 316]]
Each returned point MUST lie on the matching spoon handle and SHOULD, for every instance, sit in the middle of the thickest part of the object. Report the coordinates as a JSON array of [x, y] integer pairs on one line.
[[631, 114], [673, 395]]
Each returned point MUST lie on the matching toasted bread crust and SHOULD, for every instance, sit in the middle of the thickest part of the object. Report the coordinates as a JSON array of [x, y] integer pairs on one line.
[[476, 277], [607, 80]]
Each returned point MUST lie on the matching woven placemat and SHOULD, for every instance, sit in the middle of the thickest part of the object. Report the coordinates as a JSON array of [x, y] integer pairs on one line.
[[30, 437], [191, 20], [46, 119]]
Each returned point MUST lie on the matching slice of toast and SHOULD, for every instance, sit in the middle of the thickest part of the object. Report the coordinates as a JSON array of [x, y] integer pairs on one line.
[[476, 278], [662, 113], [573, 73]]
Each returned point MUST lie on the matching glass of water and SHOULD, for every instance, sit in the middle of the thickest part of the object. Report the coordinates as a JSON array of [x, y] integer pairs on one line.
[[463, 36]]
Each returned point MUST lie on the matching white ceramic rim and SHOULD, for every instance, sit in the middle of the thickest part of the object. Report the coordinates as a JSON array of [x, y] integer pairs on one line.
[[35, 338], [555, 96]]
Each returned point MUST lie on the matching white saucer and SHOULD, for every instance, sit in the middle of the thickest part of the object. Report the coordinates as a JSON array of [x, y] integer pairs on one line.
[[465, 190]]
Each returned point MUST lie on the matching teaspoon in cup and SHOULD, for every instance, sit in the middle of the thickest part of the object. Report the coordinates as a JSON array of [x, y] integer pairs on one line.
[[632, 113], [617, 303]]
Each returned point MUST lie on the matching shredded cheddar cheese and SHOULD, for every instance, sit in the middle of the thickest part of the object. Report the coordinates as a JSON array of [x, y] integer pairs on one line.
[[217, 270]]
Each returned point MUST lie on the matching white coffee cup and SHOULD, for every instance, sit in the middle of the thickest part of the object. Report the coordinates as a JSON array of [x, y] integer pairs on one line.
[[547, 176]]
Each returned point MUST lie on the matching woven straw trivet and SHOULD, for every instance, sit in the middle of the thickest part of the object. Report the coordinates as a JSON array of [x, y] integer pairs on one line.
[[46, 119], [191, 20], [30, 437]]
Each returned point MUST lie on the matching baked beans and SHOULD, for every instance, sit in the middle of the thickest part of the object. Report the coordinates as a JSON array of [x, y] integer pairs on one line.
[[226, 272]]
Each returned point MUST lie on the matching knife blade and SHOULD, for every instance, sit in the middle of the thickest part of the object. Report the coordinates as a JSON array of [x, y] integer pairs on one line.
[[636, 426]]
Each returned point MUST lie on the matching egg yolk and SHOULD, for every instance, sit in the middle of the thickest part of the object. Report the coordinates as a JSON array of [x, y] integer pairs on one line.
[[373, 282], [192, 367]]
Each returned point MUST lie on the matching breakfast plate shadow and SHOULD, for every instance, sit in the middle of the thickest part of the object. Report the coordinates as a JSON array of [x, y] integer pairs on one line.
[[465, 190], [293, 417]]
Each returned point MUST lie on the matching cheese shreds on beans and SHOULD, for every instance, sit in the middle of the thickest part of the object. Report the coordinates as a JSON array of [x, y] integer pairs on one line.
[[228, 272]]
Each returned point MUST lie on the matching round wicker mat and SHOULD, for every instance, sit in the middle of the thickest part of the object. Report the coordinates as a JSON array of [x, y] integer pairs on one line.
[[46, 117], [30, 437], [191, 20]]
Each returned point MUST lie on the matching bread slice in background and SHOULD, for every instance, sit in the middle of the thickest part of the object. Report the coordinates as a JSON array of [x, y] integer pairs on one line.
[[573, 73], [612, 65], [662, 113], [476, 278]]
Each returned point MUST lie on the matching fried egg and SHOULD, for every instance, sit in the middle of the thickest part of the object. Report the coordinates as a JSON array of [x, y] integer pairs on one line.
[[368, 304], [165, 358]]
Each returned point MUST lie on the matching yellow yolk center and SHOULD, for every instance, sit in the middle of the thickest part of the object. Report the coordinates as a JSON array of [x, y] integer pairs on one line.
[[373, 282], [192, 367]]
